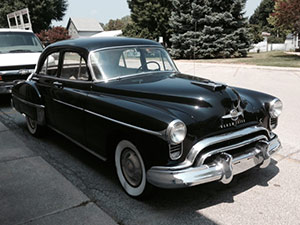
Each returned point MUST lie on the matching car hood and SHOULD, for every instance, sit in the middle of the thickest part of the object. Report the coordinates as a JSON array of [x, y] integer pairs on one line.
[[198, 102], [17, 59]]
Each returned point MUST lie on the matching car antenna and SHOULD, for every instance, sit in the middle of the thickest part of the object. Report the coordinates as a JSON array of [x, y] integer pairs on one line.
[[194, 54]]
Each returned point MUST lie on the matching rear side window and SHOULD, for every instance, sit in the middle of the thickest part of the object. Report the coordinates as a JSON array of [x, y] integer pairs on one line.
[[74, 67], [50, 66]]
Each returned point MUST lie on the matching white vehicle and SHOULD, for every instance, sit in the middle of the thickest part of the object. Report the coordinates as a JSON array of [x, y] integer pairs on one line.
[[19, 53]]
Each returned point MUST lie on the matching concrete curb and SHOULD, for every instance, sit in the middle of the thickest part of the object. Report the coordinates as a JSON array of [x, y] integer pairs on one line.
[[235, 65]]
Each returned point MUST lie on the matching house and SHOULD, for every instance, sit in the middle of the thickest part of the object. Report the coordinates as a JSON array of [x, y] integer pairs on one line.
[[83, 27], [111, 33], [291, 43]]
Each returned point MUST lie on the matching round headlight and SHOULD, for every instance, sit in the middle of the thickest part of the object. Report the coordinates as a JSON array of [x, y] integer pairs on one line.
[[176, 132], [275, 108]]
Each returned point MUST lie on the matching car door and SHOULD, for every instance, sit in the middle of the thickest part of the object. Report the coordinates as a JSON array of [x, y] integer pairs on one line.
[[69, 92], [44, 79]]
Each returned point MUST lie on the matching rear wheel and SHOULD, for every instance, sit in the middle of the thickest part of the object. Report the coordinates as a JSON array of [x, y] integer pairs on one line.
[[131, 169], [33, 127]]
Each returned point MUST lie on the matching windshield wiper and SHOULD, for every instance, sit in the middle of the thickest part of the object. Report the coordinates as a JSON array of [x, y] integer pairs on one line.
[[19, 50]]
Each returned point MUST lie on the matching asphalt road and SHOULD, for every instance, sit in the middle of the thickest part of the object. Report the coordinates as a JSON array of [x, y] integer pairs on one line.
[[258, 196]]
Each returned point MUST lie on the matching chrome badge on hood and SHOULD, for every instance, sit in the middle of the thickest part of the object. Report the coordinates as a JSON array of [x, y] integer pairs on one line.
[[236, 115]]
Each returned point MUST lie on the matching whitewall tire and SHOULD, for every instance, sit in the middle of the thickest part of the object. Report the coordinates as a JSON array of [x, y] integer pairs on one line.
[[130, 168], [33, 127]]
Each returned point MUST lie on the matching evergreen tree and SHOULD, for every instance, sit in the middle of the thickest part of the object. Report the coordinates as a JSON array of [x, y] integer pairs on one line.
[[209, 29], [150, 19], [262, 13], [41, 12]]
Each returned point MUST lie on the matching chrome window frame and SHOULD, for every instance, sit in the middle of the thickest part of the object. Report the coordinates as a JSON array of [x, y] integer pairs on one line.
[[130, 75]]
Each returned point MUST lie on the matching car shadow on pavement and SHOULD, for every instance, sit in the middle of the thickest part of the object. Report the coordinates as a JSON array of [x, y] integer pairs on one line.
[[211, 194], [5, 100], [169, 202]]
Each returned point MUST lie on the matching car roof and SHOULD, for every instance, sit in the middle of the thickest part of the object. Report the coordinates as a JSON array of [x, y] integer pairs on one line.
[[14, 30], [94, 43]]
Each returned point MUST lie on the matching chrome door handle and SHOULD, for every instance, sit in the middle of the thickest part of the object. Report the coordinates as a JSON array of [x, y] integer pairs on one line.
[[57, 84], [35, 78]]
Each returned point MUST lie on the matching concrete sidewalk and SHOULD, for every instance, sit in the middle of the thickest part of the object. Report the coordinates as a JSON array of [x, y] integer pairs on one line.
[[33, 192]]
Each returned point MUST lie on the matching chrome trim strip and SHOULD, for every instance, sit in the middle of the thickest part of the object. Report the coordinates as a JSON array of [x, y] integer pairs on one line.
[[230, 147], [128, 46], [77, 143], [17, 72], [9, 72], [28, 103], [157, 133], [198, 147], [67, 104], [133, 75]]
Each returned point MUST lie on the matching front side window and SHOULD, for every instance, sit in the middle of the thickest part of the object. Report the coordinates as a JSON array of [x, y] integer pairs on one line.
[[74, 67], [18, 42], [50, 65], [115, 63]]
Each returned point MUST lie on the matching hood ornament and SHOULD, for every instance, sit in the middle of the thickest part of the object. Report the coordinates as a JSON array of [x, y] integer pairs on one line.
[[235, 113]]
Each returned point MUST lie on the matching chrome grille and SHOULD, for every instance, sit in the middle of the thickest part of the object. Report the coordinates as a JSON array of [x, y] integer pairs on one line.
[[273, 123], [175, 151], [235, 145]]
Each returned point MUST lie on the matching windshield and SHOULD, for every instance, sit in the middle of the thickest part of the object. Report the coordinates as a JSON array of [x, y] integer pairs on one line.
[[116, 63], [13, 42]]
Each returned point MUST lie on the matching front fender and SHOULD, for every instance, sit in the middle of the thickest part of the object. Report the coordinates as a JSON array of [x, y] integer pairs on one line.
[[259, 102]]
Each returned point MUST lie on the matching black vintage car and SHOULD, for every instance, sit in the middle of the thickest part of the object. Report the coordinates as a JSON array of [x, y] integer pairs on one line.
[[124, 99]]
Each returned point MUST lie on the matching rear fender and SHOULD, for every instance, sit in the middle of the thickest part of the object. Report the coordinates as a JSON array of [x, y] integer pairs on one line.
[[27, 99]]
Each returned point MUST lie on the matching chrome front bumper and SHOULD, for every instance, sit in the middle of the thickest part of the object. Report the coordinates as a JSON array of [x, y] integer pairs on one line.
[[221, 169]]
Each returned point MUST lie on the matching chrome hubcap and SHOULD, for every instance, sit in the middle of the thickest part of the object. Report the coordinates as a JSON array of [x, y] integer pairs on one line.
[[131, 167]]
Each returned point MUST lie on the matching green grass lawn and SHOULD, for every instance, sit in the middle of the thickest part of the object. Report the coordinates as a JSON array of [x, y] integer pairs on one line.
[[275, 58]]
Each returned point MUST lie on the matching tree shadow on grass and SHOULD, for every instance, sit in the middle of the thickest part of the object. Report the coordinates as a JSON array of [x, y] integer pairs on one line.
[[287, 56]]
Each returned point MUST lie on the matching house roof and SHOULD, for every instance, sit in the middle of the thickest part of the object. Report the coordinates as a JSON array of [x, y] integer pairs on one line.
[[85, 24], [111, 33]]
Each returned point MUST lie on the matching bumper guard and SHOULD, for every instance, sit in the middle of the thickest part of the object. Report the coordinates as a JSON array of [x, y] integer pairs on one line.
[[222, 169]]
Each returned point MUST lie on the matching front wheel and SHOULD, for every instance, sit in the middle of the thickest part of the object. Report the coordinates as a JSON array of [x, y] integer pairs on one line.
[[33, 127], [131, 169]]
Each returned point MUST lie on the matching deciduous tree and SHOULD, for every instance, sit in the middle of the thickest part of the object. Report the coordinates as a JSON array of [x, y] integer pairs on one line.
[[118, 24], [53, 35], [150, 19], [287, 14], [41, 12]]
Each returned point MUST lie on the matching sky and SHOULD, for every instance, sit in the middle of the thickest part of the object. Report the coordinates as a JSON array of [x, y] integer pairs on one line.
[[104, 10]]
